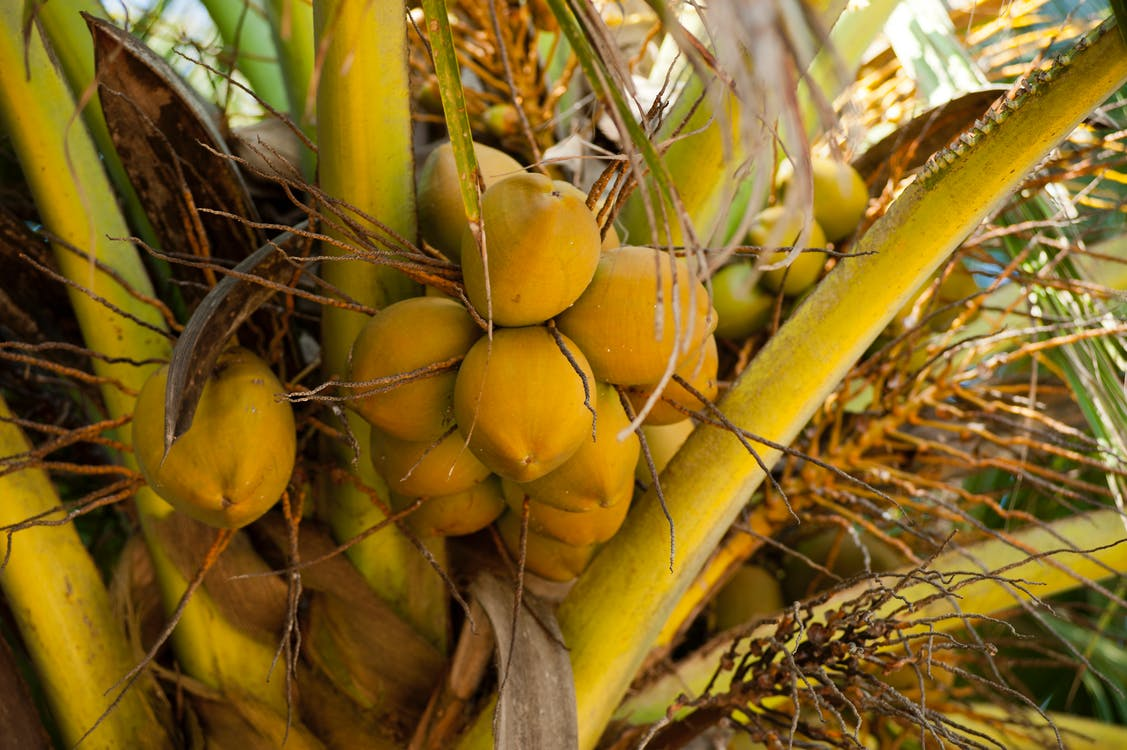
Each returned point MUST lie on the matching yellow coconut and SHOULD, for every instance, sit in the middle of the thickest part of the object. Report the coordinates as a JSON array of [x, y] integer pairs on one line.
[[575, 528], [521, 404], [399, 340], [663, 442], [543, 244], [461, 513], [699, 371], [546, 557], [442, 217], [236, 459], [629, 322], [426, 468], [601, 472]]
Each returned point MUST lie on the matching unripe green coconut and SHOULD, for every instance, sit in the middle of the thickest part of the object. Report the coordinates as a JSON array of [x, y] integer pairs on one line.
[[442, 217], [840, 196], [752, 592], [630, 324], [699, 371], [461, 513], [742, 307], [570, 527], [521, 404], [543, 245], [404, 337], [843, 553], [236, 459], [777, 227], [601, 472], [427, 468], [544, 556]]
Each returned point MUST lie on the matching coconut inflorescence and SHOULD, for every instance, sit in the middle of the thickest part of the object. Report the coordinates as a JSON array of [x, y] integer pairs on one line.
[[471, 428]]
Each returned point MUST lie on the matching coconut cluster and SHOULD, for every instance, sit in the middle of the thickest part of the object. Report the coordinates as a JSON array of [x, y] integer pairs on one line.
[[537, 415], [744, 293]]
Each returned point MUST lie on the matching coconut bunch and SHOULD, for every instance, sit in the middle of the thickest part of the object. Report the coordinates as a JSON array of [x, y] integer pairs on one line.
[[744, 292], [533, 420]]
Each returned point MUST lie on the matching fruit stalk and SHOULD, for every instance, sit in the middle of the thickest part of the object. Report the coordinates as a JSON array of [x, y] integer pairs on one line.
[[67, 623], [366, 159]]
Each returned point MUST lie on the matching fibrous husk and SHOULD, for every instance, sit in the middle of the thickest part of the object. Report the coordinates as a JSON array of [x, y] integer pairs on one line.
[[402, 338], [542, 244], [629, 322], [236, 582], [236, 459], [521, 404], [357, 640]]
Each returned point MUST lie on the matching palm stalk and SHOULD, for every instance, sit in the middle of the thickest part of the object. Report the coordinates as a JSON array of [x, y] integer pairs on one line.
[[111, 296], [627, 588], [70, 43], [366, 159], [67, 623], [250, 46], [291, 22], [453, 98]]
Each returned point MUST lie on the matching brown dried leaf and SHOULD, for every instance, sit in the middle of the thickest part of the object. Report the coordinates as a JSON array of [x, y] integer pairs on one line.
[[135, 593], [215, 320], [235, 721], [356, 638], [536, 701], [25, 288], [909, 146], [18, 715], [257, 604], [337, 720], [171, 149]]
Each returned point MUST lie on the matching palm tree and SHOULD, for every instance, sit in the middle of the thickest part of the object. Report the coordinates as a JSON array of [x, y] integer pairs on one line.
[[918, 476]]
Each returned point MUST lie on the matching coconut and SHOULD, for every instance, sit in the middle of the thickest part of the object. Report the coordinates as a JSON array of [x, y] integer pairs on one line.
[[401, 339], [236, 459], [542, 244], [630, 323], [698, 370], [546, 557], [423, 469], [442, 216], [461, 513], [575, 528], [521, 404], [601, 472]]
